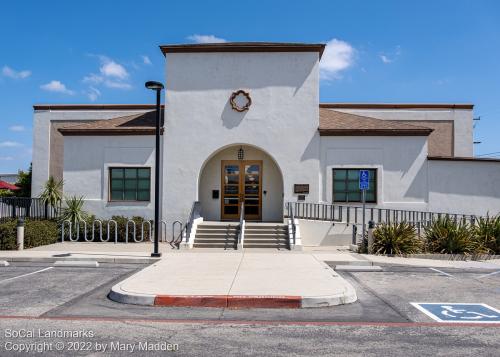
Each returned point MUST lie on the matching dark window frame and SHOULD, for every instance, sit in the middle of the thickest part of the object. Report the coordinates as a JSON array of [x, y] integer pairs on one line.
[[137, 178], [375, 183]]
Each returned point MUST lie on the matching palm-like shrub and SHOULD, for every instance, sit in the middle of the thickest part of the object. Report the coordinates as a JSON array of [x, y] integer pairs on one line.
[[396, 238], [74, 211], [487, 234], [52, 192], [446, 235]]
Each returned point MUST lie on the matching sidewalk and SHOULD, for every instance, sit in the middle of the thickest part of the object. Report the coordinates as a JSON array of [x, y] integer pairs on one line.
[[236, 280], [141, 253]]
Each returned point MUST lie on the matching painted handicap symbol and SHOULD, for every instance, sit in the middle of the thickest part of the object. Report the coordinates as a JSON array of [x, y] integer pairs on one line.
[[475, 315], [459, 312]]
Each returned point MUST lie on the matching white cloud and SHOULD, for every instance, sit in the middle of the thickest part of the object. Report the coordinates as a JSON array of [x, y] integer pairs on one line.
[[385, 59], [7, 158], [93, 78], [56, 86], [112, 75], [146, 60], [9, 72], [17, 128], [110, 68], [10, 144], [391, 56], [117, 84], [93, 93], [337, 57], [205, 39]]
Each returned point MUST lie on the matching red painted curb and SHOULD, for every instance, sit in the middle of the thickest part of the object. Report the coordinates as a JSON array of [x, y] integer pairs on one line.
[[191, 300], [267, 302], [230, 301]]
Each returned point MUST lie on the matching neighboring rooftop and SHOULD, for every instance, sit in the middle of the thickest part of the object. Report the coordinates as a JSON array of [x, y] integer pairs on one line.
[[137, 124], [335, 123], [244, 47]]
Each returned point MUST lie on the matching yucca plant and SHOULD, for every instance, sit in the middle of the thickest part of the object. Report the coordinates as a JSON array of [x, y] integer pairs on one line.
[[52, 192], [487, 234], [74, 211], [446, 235], [396, 238]]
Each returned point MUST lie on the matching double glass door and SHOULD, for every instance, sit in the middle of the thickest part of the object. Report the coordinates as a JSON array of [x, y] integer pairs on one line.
[[241, 182]]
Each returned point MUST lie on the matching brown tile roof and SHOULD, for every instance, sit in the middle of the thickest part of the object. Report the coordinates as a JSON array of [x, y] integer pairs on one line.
[[461, 158], [396, 106], [137, 124], [95, 106], [244, 47], [335, 123]]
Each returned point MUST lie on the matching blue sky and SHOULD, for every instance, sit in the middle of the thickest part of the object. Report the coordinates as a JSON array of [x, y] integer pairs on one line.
[[379, 51]]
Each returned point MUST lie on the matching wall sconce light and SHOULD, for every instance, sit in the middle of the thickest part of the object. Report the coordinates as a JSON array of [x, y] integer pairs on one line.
[[241, 153]]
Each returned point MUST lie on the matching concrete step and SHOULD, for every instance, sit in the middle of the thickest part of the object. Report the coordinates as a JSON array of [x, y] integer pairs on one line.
[[212, 245], [265, 241], [209, 235], [214, 240], [260, 245], [264, 235], [266, 227], [261, 231], [214, 231]]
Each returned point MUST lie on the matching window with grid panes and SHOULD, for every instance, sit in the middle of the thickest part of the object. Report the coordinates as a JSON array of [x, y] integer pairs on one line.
[[346, 186], [130, 184]]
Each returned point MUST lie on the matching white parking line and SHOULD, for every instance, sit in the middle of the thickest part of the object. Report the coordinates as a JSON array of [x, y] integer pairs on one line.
[[489, 274], [20, 276], [442, 273]]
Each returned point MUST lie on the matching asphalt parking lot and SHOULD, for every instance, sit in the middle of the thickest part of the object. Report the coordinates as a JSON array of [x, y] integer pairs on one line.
[[42, 290], [382, 321]]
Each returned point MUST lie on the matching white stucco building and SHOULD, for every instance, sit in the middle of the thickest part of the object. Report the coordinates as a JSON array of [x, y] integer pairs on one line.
[[243, 122]]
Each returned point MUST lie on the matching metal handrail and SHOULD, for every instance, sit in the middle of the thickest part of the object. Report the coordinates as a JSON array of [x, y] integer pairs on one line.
[[351, 214], [294, 227], [241, 233], [195, 213]]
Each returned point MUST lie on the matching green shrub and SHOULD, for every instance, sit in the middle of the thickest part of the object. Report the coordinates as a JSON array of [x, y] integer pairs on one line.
[[487, 234], [8, 232], [36, 233], [396, 238], [446, 235]]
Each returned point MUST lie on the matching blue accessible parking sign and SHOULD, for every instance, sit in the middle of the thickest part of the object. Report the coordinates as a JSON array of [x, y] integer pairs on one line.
[[459, 312], [364, 179]]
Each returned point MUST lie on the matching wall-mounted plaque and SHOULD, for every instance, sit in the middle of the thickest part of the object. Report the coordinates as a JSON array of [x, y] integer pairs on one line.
[[301, 197], [302, 188]]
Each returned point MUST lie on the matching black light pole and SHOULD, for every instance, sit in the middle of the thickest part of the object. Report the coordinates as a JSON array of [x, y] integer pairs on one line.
[[157, 86]]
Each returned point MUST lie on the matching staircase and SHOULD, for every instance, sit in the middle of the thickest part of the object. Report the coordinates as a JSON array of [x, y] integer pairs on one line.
[[266, 235], [222, 235]]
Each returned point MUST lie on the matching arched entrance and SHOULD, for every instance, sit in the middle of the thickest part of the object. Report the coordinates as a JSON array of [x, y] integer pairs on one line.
[[236, 174]]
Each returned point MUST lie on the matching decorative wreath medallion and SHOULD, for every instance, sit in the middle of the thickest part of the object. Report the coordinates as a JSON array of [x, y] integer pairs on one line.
[[240, 100]]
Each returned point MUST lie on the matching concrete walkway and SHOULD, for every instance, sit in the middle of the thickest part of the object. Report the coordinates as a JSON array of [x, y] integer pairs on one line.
[[236, 280]]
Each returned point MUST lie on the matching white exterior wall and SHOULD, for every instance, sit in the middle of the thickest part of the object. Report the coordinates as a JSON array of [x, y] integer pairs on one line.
[[462, 119], [400, 163], [282, 120], [86, 171], [464, 187], [41, 137]]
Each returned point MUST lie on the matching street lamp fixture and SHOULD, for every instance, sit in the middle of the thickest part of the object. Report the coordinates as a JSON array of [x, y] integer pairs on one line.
[[157, 86]]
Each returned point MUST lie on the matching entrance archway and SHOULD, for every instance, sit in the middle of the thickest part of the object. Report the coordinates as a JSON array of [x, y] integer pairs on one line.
[[241, 173]]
